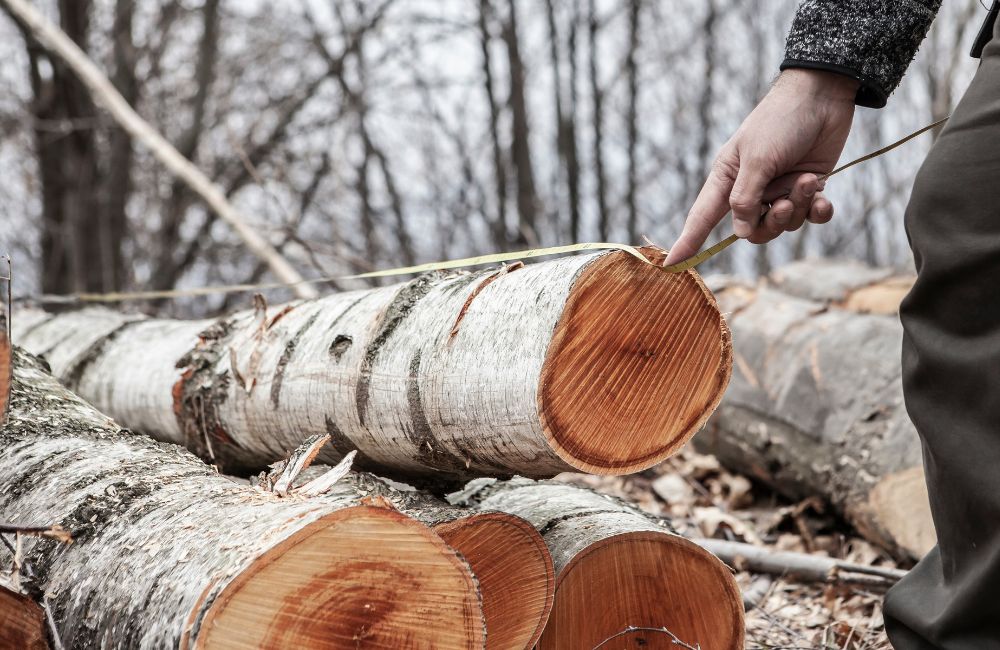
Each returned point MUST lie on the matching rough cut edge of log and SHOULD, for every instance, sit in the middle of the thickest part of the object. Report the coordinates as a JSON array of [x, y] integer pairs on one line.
[[6, 369], [616, 567], [179, 556], [598, 363], [662, 386], [22, 622], [508, 556], [816, 407]]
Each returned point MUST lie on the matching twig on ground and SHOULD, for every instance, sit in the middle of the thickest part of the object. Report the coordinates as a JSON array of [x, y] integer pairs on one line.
[[56, 641], [659, 630], [805, 567]]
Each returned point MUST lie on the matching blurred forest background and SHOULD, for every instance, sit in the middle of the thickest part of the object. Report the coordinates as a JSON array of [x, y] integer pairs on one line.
[[363, 134]]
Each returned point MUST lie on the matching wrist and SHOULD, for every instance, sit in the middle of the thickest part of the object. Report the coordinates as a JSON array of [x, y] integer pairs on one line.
[[819, 84]]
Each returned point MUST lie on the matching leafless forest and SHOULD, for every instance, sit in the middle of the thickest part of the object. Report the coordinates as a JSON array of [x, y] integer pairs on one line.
[[371, 133]]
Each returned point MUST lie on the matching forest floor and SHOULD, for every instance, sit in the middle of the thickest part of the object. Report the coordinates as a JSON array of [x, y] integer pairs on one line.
[[703, 499]]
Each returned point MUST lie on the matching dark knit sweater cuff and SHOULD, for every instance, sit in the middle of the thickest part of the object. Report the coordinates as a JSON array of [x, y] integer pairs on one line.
[[872, 41]]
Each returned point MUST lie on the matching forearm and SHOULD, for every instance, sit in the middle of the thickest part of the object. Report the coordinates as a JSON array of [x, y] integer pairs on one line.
[[870, 41]]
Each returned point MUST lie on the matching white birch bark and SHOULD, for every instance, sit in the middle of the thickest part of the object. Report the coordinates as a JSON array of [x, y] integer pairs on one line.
[[163, 544], [597, 362]]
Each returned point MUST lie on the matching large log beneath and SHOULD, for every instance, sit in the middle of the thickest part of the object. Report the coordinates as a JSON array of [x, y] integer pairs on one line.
[[22, 621], [508, 557], [618, 569], [166, 553], [816, 403], [597, 363]]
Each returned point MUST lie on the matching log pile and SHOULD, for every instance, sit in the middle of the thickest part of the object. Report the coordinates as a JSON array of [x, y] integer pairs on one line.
[[815, 406], [593, 363]]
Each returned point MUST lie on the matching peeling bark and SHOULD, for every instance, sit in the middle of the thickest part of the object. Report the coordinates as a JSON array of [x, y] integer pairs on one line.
[[597, 363], [168, 554], [816, 403], [616, 567]]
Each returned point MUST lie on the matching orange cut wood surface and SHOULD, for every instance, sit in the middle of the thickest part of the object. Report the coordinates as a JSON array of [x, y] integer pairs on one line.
[[638, 362]]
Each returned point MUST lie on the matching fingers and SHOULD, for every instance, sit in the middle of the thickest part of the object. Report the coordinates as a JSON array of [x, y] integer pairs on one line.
[[784, 216], [711, 205], [748, 195], [821, 210]]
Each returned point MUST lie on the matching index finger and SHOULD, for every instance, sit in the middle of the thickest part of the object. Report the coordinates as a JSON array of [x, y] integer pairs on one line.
[[708, 210]]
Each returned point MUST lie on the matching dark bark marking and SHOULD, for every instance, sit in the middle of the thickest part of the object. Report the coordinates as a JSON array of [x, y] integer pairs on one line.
[[421, 435], [286, 357], [397, 311], [344, 445], [71, 378], [340, 346]]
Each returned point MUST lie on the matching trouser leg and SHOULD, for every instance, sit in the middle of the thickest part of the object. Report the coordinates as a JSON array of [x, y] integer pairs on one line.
[[951, 378]]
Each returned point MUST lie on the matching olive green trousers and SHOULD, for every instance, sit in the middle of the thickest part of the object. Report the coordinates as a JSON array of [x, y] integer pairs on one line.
[[951, 377]]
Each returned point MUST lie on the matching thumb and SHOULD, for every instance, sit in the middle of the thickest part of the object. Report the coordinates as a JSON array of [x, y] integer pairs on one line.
[[747, 196]]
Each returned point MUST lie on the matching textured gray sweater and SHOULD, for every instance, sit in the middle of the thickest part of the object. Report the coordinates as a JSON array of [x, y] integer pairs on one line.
[[872, 41]]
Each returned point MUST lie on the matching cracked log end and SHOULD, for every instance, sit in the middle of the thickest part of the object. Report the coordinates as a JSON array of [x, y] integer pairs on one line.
[[645, 579], [638, 361], [5, 368], [22, 622], [515, 574], [360, 577]]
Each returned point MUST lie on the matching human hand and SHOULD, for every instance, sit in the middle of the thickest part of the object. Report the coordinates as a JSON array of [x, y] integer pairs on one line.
[[794, 136]]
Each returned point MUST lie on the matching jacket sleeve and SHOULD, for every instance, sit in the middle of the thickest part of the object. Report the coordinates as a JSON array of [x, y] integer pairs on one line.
[[872, 41]]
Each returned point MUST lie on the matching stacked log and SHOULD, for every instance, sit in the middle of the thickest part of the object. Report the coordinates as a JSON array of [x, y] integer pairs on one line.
[[619, 574], [815, 406], [597, 363], [167, 553], [508, 557], [22, 621]]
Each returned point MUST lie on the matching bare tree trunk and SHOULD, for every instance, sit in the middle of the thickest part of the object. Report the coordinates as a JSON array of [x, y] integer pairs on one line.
[[816, 405], [632, 120], [169, 235], [72, 253], [499, 165], [565, 119], [22, 621], [603, 216], [166, 553], [57, 43], [527, 196], [613, 560], [600, 363]]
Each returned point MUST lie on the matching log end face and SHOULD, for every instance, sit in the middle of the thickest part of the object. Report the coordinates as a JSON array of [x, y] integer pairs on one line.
[[361, 577], [638, 361], [6, 368], [645, 580], [22, 622], [515, 574]]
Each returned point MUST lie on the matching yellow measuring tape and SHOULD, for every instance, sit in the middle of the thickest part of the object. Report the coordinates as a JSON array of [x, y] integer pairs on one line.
[[479, 260]]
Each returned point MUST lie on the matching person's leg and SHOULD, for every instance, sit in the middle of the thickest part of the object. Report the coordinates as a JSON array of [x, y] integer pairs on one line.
[[951, 378]]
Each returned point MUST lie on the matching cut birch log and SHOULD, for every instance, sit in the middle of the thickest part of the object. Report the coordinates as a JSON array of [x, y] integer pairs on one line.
[[616, 568], [167, 553], [816, 403], [22, 621], [508, 557], [596, 363]]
